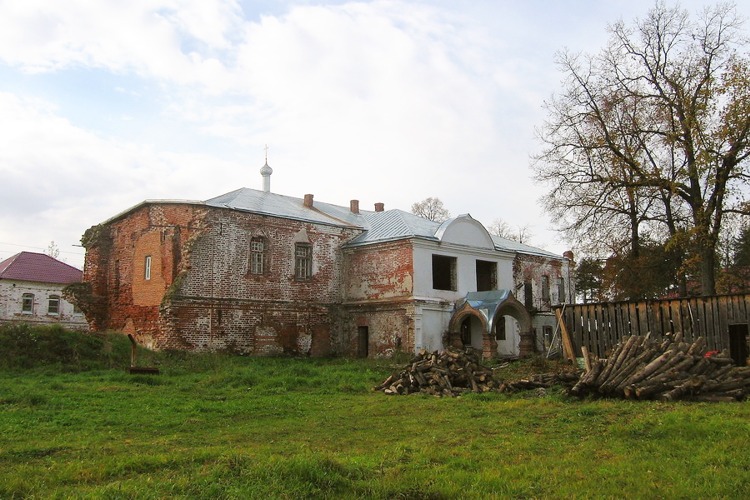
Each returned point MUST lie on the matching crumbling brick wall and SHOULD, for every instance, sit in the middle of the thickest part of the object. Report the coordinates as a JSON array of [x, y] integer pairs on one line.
[[121, 297], [222, 305], [378, 295]]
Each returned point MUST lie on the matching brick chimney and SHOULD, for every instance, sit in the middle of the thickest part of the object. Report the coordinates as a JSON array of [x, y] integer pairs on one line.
[[379, 207], [308, 201], [354, 206]]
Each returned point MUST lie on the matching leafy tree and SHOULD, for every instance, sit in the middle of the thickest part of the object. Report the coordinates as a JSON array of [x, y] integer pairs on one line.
[[651, 274], [652, 134], [432, 209], [588, 279]]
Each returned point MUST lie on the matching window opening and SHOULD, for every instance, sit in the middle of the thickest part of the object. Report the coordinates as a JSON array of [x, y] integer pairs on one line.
[[561, 290], [53, 304], [147, 271], [302, 261], [443, 272], [27, 303], [528, 295], [545, 288], [257, 255], [363, 341], [486, 276], [500, 328]]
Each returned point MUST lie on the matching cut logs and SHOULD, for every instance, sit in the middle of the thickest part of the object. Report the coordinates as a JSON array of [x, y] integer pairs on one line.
[[449, 373], [454, 372], [640, 368]]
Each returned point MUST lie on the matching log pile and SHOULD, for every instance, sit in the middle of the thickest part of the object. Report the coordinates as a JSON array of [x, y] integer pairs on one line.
[[454, 372], [640, 368], [448, 373]]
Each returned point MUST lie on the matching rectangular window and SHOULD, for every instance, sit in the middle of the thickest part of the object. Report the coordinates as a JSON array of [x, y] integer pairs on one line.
[[302, 261], [53, 305], [486, 276], [561, 290], [27, 303], [257, 255], [545, 288], [528, 295], [444, 273], [147, 268]]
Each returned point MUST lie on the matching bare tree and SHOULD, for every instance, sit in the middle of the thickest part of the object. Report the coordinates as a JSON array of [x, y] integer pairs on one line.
[[521, 234], [652, 132], [53, 250], [432, 209]]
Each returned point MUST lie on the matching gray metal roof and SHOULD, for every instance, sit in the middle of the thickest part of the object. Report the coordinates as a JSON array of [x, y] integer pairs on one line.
[[514, 246], [394, 225], [262, 202], [378, 227]]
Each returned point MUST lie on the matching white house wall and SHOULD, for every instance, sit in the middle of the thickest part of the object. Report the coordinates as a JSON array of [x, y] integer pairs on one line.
[[11, 304], [466, 277]]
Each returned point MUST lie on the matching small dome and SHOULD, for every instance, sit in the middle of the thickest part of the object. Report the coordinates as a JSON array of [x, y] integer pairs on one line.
[[266, 170]]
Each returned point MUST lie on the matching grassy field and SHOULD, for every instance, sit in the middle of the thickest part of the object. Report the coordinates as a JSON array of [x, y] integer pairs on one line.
[[76, 424]]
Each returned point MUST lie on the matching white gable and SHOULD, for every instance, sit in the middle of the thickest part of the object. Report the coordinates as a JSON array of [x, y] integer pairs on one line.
[[464, 230]]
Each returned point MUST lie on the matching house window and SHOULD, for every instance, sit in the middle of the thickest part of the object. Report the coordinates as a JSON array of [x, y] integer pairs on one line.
[[443, 273], [545, 288], [257, 255], [528, 295], [27, 303], [486, 276], [302, 261], [561, 290], [53, 305], [147, 268]]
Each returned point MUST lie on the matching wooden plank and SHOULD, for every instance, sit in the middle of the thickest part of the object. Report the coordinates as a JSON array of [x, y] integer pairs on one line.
[[675, 311], [724, 304], [644, 323], [568, 349]]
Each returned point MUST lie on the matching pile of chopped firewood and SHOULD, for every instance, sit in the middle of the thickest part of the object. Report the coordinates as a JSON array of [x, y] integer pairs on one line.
[[454, 372], [448, 373], [640, 368]]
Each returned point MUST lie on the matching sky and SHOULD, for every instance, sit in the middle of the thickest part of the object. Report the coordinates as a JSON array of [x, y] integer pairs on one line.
[[104, 104]]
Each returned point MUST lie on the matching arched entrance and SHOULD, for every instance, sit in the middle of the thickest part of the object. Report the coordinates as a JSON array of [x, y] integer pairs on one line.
[[478, 314]]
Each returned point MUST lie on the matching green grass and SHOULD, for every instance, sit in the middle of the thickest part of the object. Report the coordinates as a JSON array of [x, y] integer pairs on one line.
[[214, 426]]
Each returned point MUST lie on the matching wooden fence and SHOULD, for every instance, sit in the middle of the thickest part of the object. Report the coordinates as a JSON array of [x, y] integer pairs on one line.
[[601, 325]]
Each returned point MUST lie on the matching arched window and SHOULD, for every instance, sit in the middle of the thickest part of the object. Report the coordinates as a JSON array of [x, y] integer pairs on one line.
[[27, 303], [258, 255], [53, 305]]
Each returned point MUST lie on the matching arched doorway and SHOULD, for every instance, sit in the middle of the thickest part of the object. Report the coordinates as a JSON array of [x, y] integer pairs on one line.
[[472, 332], [476, 319]]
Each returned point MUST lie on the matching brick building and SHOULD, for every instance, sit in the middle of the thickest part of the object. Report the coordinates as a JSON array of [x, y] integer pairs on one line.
[[256, 272], [31, 291]]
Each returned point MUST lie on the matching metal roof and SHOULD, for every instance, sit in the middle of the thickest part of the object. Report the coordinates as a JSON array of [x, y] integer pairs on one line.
[[377, 227], [38, 267], [261, 202]]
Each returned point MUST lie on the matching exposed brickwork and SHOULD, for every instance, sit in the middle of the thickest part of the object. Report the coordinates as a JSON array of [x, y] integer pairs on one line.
[[383, 271], [202, 293]]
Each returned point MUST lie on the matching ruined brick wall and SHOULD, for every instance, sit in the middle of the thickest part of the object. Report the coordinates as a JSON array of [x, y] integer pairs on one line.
[[389, 327], [123, 298], [378, 285], [380, 271], [221, 304]]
